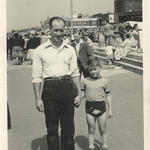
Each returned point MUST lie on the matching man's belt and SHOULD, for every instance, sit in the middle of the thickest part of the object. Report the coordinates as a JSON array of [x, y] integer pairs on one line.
[[57, 78]]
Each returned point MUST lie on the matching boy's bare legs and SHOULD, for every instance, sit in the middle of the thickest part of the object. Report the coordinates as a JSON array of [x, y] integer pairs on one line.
[[102, 120], [91, 121]]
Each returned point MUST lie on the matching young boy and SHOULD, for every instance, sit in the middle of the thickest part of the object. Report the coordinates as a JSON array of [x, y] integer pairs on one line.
[[97, 94]]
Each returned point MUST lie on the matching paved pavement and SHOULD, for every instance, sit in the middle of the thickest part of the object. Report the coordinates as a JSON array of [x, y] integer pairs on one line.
[[125, 129]]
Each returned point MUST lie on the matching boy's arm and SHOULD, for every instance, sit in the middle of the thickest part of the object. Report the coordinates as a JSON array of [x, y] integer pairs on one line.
[[108, 100], [82, 88]]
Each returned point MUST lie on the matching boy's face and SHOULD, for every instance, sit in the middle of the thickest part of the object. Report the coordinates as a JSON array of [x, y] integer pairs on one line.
[[94, 71]]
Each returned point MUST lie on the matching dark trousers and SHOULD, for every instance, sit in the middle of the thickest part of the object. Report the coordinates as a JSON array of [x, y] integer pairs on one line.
[[58, 98], [9, 51], [83, 70], [108, 40], [8, 118]]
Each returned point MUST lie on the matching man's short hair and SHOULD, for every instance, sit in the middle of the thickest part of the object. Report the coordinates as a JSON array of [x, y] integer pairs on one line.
[[55, 18]]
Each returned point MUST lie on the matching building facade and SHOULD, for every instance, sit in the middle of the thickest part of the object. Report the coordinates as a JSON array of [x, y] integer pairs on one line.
[[128, 10]]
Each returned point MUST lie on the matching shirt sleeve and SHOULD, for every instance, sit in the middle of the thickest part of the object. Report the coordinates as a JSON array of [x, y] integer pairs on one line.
[[106, 86], [89, 49], [73, 65], [37, 67]]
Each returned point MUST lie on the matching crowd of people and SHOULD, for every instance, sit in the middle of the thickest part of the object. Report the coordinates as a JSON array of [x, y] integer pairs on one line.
[[117, 40], [20, 46]]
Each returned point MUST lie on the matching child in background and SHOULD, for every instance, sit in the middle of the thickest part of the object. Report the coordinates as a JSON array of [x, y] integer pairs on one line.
[[97, 94], [109, 54], [121, 50]]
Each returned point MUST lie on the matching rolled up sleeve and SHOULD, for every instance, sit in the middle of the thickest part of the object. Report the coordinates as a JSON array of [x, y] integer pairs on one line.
[[73, 65], [37, 67]]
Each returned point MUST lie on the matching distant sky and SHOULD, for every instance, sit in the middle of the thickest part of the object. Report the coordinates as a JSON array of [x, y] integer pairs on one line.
[[28, 13]]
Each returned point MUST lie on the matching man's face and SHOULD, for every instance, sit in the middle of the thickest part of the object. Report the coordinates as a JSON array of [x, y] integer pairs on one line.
[[77, 38], [57, 30]]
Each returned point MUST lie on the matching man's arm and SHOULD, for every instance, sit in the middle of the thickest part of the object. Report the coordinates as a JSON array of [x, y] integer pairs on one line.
[[37, 90], [77, 83], [37, 80], [75, 77], [37, 94], [89, 50]]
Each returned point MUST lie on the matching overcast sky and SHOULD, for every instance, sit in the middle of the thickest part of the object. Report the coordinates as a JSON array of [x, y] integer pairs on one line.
[[27, 13]]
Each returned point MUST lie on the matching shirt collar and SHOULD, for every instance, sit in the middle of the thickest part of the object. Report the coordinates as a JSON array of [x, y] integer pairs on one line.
[[49, 44]]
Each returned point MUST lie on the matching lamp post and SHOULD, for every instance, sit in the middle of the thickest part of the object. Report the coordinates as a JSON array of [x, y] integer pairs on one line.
[[71, 17]]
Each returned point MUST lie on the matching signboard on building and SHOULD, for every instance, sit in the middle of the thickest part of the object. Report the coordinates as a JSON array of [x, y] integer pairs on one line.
[[111, 18]]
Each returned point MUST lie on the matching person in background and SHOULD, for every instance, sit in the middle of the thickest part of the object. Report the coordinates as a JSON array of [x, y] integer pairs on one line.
[[98, 96], [88, 40], [17, 50], [135, 35], [26, 39], [108, 33], [84, 51], [43, 38], [9, 46], [101, 39], [9, 125], [117, 39], [66, 38], [127, 44], [32, 44], [109, 54], [121, 50], [121, 31], [55, 63], [91, 36], [128, 28]]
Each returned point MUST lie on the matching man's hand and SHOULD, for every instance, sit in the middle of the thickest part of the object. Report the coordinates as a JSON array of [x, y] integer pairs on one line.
[[109, 114], [77, 101], [39, 105]]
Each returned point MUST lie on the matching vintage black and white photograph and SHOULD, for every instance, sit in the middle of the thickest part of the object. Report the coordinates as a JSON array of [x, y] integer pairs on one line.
[[58, 54]]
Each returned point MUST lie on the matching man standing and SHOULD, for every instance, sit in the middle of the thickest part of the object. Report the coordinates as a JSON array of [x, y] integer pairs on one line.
[[9, 46], [108, 34], [84, 52], [56, 63]]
